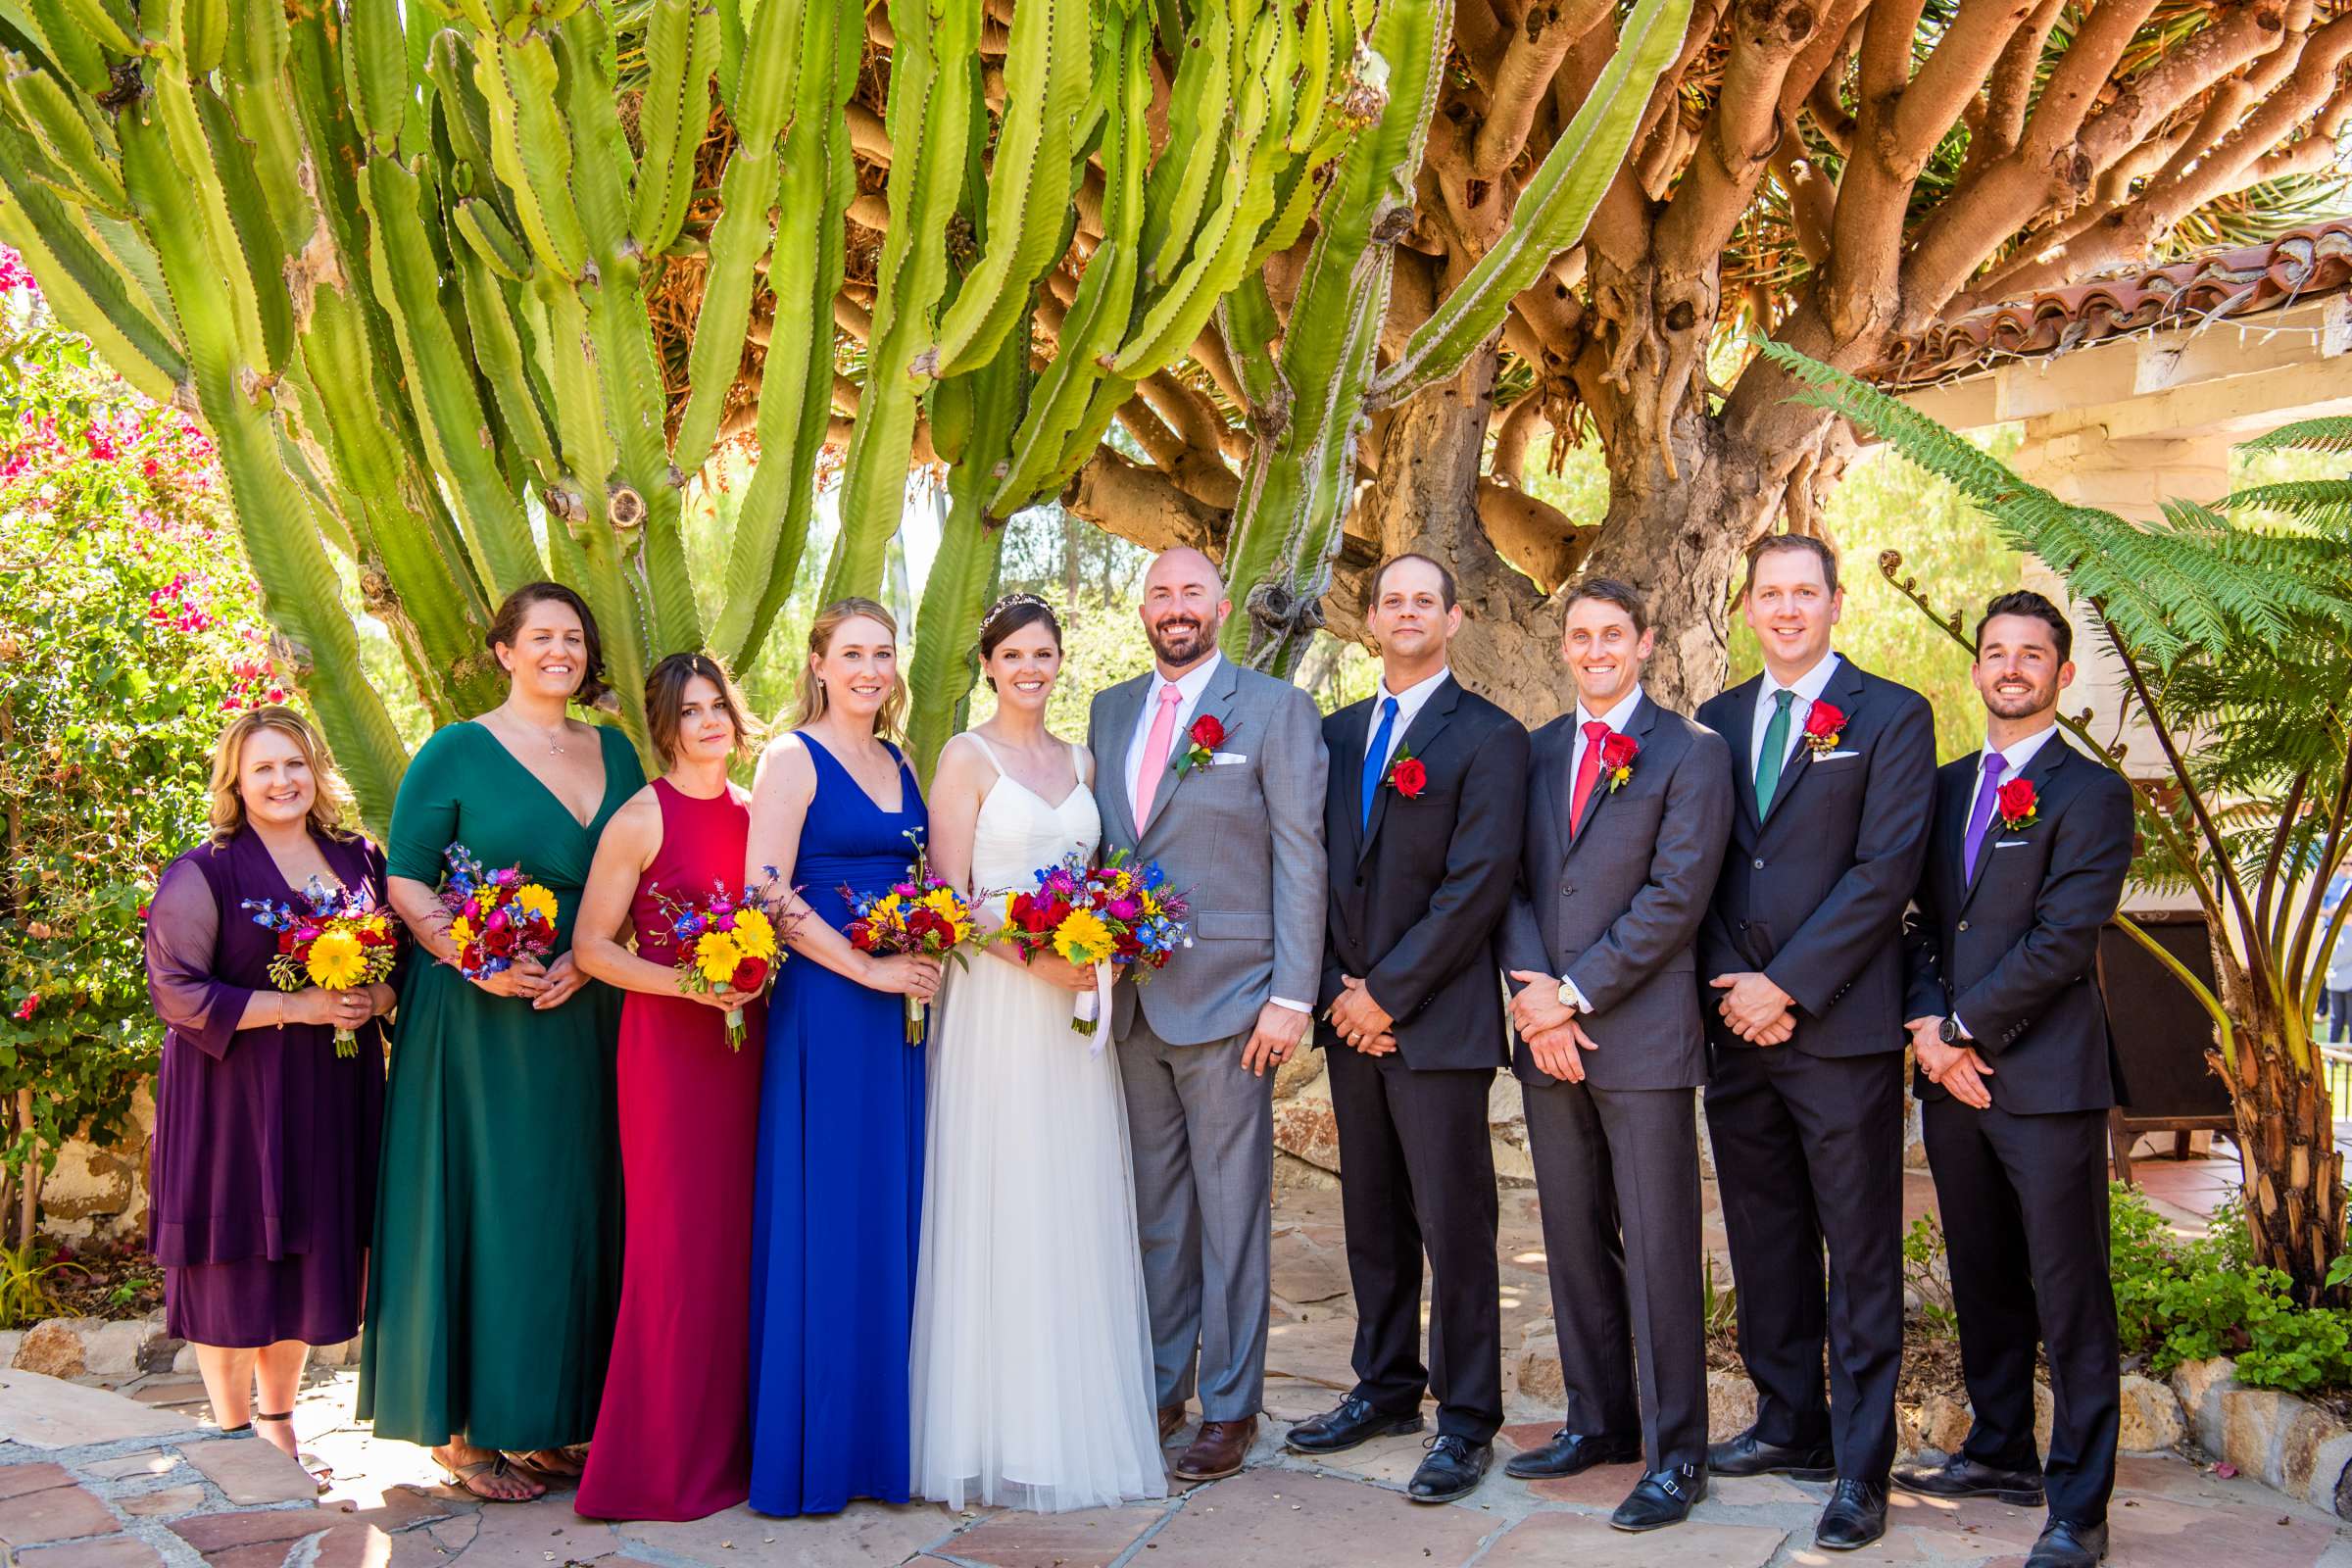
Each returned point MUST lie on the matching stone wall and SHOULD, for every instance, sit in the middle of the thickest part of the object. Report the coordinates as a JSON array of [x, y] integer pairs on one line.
[[99, 1192]]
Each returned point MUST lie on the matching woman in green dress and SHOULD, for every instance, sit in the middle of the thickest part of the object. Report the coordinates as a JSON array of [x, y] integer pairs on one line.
[[497, 1270]]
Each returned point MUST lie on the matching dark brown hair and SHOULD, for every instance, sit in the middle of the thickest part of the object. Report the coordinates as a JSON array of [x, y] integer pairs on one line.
[[507, 625], [666, 698], [1445, 585], [1779, 544], [1611, 591], [1010, 614], [2026, 602]]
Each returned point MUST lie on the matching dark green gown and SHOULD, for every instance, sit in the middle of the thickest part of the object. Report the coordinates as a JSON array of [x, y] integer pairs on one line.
[[496, 1273]]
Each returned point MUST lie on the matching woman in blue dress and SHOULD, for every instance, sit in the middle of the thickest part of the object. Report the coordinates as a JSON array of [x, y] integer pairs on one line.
[[838, 1200]]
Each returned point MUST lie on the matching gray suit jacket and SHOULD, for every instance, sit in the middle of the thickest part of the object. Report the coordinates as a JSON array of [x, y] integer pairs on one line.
[[1242, 840], [1617, 909]]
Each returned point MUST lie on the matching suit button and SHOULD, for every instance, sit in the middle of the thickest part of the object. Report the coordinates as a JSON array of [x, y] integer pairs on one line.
[[1744, 925], [1758, 864], [1964, 925], [1360, 879]]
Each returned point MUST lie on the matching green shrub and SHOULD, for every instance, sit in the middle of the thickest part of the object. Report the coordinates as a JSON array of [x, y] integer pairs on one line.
[[2187, 1298]]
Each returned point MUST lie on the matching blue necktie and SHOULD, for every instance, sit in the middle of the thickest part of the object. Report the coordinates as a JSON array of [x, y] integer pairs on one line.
[[1376, 761]]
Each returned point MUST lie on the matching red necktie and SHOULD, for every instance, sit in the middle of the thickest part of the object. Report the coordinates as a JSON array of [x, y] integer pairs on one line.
[[1588, 769]]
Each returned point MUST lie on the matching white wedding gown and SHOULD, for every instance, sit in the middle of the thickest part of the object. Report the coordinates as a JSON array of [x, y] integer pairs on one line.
[[1031, 1355]]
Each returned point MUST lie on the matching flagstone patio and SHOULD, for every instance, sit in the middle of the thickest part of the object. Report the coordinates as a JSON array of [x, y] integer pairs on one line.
[[135, 1478]]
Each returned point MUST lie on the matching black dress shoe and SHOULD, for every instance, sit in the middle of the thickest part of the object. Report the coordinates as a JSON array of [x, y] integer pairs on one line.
[[1751, 1456], [1661, 1498], [1453, 1469], [2066, 1545], [1856, 1517], [1963, 1477], [1571, 1453], [1354, 1421]]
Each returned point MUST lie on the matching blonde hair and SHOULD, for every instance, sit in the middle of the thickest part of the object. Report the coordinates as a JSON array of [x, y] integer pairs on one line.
[[811, 703], [329, 806], [665, 694]]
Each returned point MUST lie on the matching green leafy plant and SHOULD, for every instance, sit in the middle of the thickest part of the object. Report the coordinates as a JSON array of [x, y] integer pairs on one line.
[[24, 1295], [2190, 1298], [1927, 1274]]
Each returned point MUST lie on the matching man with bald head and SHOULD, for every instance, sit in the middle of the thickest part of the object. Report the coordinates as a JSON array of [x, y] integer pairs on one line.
[[1217, 773]]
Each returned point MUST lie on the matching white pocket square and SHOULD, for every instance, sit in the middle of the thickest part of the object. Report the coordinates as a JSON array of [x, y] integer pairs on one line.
[[1835, 757], [1224, 758], [2008, 844]]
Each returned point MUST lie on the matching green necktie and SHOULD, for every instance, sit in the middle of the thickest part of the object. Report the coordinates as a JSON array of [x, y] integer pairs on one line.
[[1775, 752]]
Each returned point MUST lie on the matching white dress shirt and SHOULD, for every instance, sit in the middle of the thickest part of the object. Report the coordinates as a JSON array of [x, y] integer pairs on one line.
[[2014, 758], [1409, 703], [1808, 688], [1191, 684], [1616, 719]]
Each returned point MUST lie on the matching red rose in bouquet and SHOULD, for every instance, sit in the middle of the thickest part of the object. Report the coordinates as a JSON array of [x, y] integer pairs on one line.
[[750, 975]]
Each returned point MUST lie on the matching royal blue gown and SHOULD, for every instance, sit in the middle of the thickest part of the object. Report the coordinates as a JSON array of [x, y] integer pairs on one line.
[[838, 1202]]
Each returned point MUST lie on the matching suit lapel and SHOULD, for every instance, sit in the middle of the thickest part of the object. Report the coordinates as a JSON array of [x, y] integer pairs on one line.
[[2046, 763], [1844, 693], [1216, 702], [1740, 733], [1416, 738], [1645, 714], [1558, 756], [1355, 727], [1126, 712]]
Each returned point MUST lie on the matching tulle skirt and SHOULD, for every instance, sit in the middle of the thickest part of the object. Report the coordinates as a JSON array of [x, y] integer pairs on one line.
[[1031, 1362]]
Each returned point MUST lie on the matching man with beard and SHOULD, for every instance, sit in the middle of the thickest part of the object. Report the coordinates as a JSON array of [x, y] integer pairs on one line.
[[1423, 818], [2032, 841], [1628, 807], [1217, 773], [1802, 956]]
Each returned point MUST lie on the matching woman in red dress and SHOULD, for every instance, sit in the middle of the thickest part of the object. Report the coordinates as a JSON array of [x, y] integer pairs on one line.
[[673, 1438]]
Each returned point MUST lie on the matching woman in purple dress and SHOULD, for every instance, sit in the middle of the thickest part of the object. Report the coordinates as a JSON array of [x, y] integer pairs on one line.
[[264, 1163]]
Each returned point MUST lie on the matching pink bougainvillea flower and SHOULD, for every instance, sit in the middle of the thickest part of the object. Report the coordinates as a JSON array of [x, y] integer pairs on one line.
[[25, 1011]]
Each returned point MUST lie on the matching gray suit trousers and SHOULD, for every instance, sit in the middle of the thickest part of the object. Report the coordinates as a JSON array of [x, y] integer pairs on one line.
[[1200, 1130], [1617, 1181]]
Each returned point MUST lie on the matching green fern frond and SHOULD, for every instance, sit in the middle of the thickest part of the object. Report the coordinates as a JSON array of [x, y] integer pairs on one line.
[[2330, 434]]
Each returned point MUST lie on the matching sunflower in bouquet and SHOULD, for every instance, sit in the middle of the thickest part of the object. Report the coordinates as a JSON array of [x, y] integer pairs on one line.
[[726, 941], [920, 914], [497, 918]]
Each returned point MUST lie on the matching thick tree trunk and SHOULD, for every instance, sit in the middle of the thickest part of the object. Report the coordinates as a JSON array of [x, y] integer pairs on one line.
[[2285, 1132]]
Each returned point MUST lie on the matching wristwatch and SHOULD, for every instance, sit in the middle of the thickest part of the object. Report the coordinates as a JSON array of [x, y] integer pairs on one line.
[[1948, 1031], [1568, 997]]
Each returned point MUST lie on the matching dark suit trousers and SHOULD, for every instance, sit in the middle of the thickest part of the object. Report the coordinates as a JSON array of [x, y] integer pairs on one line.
[[1617, 1179], [1416, 1174], [2024, 1202], [1810, 1149]]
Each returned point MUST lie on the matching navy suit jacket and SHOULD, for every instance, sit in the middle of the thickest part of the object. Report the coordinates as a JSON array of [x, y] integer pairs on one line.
[[1812, 892], [2014, 949], [1417, 898]]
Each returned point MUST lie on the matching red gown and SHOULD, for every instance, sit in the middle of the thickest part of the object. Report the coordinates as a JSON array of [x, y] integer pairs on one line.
[[674, 1436]]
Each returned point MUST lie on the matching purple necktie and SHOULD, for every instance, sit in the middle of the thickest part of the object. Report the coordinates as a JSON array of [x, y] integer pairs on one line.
[[1988, 795]]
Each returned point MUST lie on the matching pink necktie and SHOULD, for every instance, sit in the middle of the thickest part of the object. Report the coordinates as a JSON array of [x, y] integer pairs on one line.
[[1155, 753]]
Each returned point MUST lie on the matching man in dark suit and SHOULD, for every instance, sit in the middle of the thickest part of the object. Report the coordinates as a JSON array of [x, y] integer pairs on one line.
[[2032, 843], [1423, 816], [1628, 807], [1802, 952]]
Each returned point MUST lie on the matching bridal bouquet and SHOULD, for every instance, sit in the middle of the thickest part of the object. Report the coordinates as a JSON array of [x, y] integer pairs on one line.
[[1106, 917], [917, 915], [725, 942], [494, 917], [341, 941]]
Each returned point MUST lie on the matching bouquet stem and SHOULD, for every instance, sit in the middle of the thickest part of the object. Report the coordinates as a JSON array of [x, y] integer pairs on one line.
[[734, 1028], [915, 1017], [346, 1044]]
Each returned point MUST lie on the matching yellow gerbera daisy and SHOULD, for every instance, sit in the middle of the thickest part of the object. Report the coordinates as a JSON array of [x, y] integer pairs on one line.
[[717, 955], [753, 935], [532, 899], [1082, 938], [944, 903], [338, 961], [461, 931]]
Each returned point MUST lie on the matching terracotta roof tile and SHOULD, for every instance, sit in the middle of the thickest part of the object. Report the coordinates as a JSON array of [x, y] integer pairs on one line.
[[2300, 265]]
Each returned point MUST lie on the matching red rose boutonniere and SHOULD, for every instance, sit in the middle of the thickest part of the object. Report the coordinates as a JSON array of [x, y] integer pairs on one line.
[[1825, 726], [2016, 804], [1617, 754], [1406, 776], [1200, 744]]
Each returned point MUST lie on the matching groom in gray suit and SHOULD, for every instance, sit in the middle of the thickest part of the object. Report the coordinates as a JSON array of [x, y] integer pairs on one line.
[[1216, 772]]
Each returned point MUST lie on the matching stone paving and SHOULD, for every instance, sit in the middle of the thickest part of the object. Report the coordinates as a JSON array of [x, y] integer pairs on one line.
[[135, 1478]]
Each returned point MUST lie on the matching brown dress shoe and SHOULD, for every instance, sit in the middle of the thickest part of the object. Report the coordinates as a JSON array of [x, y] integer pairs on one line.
[[1217, 1450], [1171, 1421]]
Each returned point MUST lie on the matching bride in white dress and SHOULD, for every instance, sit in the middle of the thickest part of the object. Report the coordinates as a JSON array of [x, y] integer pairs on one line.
[[1031, 1355]]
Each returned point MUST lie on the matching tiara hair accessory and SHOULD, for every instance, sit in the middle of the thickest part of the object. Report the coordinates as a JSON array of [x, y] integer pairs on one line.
[[1009, 601]]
